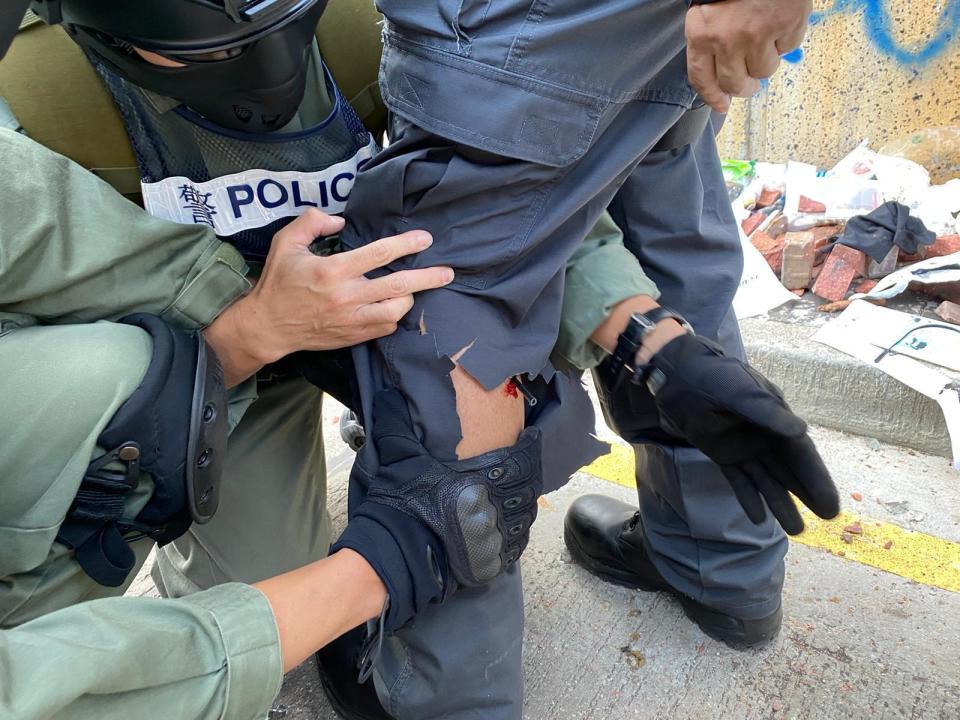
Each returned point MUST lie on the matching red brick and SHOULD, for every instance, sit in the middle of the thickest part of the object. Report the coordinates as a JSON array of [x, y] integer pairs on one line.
[[865, 286], [949, 311], [811, 206], [799, 253], [909, 259], [944, 291], [776, 226], [823, 233], [839, 270], [768, 197], [944, 245], [752, 222], [771, 249], [832, 307]]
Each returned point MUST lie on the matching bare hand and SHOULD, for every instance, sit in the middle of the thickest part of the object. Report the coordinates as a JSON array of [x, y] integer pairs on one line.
[[306, 302], [733, 44]]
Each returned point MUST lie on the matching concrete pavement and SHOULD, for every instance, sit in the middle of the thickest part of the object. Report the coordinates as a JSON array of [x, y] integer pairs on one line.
[[831, 389], [858, 641]]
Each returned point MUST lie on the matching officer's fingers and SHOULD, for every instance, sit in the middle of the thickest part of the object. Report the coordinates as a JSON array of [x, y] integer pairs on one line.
[[746, 493], [811, 479], [778, 499], [702, 74], [307, 228], [733, 77], [405, 282], [762, 62], [382, 252], [386, 311]]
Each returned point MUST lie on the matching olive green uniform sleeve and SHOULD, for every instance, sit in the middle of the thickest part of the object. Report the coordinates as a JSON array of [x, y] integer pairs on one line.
[[599, 275], [73, 250], [215, 654]]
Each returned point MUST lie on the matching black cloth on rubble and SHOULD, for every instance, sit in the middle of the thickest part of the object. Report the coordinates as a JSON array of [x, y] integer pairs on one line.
[[890, 224]]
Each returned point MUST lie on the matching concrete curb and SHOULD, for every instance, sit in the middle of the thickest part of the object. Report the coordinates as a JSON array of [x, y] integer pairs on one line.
[[834, 390]]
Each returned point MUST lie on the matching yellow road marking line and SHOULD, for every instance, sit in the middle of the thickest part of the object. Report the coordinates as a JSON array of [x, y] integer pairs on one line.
[[916, 556]]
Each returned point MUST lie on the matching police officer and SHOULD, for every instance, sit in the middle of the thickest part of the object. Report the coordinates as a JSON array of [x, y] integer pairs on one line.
[[132, 415], [529, 121], [237, 198], [192, 281], [143, 396]]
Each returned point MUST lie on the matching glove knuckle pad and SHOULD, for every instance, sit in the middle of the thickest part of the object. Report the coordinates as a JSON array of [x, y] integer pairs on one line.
[[483, 541]]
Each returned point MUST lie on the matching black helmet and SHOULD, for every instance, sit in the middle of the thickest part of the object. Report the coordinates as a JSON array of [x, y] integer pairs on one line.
[[243, 63]]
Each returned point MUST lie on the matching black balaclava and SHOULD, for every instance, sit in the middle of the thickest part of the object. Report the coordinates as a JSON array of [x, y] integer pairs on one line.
[[244, 61]]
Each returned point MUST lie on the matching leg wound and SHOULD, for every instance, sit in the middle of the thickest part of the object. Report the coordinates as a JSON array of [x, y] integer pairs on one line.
[[489, 419]]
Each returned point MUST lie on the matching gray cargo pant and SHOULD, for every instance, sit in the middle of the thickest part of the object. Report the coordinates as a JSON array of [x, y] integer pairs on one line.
[[677, 220], [514, 126]]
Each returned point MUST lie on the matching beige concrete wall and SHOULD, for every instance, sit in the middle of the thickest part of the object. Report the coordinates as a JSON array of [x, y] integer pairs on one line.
[[871, 68]]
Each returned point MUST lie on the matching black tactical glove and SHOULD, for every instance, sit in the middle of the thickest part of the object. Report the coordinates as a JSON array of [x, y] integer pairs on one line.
[[425, 524], [739, 419]]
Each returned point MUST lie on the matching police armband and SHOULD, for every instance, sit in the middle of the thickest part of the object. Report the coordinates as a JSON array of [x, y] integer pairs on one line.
[[172, 428]]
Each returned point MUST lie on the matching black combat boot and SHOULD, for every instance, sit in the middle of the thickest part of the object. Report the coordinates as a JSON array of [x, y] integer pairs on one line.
[[606, 537], [337, 663]]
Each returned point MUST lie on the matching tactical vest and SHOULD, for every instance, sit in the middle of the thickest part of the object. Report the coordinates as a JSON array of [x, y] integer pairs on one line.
[[246, 186], [67, 109]]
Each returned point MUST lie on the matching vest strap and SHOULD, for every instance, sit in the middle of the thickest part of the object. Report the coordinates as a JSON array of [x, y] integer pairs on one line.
[[125, 180]]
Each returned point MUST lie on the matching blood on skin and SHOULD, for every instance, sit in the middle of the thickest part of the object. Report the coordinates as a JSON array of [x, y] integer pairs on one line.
[[510, 389]]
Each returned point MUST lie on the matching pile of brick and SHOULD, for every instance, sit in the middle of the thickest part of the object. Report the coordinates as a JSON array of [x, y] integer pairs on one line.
[[815, 260]]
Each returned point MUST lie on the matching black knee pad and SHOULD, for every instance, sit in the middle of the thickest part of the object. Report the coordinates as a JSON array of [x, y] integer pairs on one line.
[[173, 427]]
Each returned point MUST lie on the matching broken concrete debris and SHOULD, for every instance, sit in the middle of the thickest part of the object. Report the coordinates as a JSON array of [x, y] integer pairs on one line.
[[771, 248], [949, 311], [768, 197], [811, 206], [882, 268], [799, 257], [868, 215], [854, 528], [839, 270]]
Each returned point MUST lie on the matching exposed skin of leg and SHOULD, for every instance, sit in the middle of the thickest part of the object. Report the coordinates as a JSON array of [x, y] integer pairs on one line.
[[489, 419]]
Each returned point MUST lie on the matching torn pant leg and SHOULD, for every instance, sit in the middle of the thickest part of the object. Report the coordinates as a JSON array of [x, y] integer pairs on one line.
[[507, 227], [677, 220]]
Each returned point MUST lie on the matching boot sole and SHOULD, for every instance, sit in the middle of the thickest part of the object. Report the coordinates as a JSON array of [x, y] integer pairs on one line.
[[733, 632]]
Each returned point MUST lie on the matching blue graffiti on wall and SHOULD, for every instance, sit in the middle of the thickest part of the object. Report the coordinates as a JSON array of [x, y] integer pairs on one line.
[[879, 31]]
